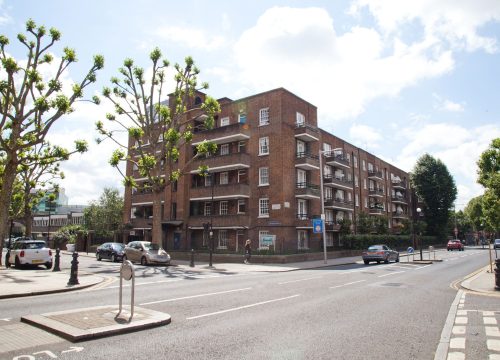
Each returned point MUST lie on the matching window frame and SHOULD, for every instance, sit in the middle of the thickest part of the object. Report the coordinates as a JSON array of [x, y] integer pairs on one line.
[[264, 207], [264, 117], [264, 176], [264, 146]]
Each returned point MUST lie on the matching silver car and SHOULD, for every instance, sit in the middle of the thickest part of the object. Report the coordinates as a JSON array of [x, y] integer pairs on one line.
[[380, 253], [146, 253]]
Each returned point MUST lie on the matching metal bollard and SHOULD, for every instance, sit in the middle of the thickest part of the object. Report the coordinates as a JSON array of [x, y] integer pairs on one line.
[[191, 264], [73, 279], [57, 260], [497, 274]]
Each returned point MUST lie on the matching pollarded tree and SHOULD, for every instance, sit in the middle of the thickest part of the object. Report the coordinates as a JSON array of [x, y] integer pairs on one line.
[[435, 186], [30, 104], [157, 130]]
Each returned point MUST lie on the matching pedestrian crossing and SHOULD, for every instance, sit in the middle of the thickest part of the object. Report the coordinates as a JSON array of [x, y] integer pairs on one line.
[[474, 332]]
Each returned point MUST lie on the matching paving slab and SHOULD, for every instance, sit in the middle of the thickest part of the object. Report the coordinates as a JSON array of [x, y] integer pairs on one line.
[[101, 321]]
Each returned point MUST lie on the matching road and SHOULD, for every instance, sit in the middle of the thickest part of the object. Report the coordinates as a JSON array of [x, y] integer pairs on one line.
[[386, 311]]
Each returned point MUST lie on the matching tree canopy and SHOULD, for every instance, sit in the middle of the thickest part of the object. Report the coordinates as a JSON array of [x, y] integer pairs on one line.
[[436, 188], [105, 215], [32, 101]]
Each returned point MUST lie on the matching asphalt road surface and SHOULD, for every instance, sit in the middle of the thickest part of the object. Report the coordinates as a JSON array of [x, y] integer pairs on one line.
[[386, 311]]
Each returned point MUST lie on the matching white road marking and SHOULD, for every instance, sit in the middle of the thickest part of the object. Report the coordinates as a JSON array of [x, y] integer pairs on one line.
[[393, 273], [422, 267], [242, 307], [457, 343], [461, 320], [195, 296], [458, 330], [293, 281], [492, 331], [456, 356], [350, 283], [489, 320], [493, 345]]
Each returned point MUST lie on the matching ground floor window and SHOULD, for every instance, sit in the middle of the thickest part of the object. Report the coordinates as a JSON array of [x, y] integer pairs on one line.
[[303, 239], [329, 239], [261, 235], [223, 239]]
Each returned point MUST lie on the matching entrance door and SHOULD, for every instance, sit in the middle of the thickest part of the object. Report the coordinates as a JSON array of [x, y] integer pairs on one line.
[[177, 240]]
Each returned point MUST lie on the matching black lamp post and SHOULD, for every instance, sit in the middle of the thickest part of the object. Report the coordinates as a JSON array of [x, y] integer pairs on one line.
[[420, 237], [211, 234]]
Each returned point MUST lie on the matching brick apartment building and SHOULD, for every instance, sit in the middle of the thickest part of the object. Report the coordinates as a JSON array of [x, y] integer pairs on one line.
[[265, 180]]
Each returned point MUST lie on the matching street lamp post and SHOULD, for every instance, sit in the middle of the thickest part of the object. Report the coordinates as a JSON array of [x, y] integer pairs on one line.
[[211, 234], [420, 237], [322, 199]]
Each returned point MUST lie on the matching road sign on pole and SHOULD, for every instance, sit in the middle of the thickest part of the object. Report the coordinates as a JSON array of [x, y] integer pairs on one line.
[[317, 226]]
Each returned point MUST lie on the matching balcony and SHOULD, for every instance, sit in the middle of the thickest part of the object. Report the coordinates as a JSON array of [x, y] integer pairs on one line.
[[376, 209], [306, 161], [338, 203], [398, 184], [307, 191], [337, 158], [306, 132], [399, 199], [372, 174], [223, 134], [228, 221], [344, 182], [332, 226], [376, 192], [227, 162], [220, 192], [142, 198], [399, 215]]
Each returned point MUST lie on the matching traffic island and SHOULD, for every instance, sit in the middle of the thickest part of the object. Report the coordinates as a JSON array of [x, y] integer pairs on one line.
[[90, 323]]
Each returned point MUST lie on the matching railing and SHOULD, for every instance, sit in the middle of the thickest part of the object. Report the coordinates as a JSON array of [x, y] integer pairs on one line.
[[399, 184], [307, 155], [373, 173], [398, 199], [376, 192], [339, 202], [340, 180], [339, 158]]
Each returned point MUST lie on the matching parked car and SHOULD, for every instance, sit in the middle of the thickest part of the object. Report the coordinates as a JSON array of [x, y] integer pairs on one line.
[[496, 244], [455, 245], [380, 253], [146, 253], [30, 252], [111, 250]]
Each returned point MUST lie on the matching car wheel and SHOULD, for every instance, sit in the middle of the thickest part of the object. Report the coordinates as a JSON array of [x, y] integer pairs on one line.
[[113, 258], [144, 261], [48, 265], [98, 256], [397, 259], [386, 261], [124, 258], [366, 262], [17, 263], [378, 261]]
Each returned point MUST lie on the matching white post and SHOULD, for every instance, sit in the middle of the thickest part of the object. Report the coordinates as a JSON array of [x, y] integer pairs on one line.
[[323, 217]]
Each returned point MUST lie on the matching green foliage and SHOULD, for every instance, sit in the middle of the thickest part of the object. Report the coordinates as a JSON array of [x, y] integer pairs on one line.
[[489, 177], [105, 215], [67, 234], [436, 188]]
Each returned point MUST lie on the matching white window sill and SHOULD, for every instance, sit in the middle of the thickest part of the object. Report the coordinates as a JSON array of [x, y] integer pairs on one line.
[[263, 216], [260, 185]]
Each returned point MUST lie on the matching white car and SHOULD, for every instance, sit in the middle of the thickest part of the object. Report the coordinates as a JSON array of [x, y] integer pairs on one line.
[[146, 253], [30, 252]]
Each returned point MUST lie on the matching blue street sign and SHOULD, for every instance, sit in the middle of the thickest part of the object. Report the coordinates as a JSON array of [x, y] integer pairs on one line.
[[317, 226], [410, 250]]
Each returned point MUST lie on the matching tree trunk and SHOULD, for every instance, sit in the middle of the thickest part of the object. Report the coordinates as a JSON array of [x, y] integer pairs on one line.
[[157, 217], [28, 221], [8, 179]]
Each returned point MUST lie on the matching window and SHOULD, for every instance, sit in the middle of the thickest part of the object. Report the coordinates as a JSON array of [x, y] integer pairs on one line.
[[241, 207], [264, 146], [300, 119], [364, 184], [349, 196], [224, 178], [329, 216], [242, 118], [222, 239], [261, 235], [355, 160], [364, 165], [327, 148], [264, 207], [241, 147], [328, 193], [301, 179], [207, 209], [264, 116], [356, 181], [302, 209], [208, 180], [132, 212], [223, 208], [173, 211], [327, 171], [224, 149], [329, 239], [366, 202], [224, 121], [370, 167], [356, 199], [302, 239], [263, 176], [301, 149]]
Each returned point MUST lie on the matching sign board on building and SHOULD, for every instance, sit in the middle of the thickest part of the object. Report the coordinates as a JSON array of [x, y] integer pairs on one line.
[[276, 206], [317, 226], [268, 240]]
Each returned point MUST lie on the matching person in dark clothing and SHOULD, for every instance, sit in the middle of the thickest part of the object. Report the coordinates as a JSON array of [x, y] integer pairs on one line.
[[248, 251]]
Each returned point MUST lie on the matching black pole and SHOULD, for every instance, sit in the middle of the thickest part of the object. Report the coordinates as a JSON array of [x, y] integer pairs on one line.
[[211, 234], [73, 279]]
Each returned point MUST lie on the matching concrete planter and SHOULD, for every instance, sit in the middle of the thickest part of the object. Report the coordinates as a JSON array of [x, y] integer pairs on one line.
[[70, 247]]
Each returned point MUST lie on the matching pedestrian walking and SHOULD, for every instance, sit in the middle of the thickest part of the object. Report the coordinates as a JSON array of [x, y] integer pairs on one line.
[[248, 251]]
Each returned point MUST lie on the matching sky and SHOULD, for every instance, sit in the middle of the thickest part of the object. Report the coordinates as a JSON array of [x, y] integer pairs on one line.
[[397, 78]]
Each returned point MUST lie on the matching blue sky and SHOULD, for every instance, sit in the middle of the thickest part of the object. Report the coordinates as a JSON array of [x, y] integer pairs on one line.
[[397, 78]]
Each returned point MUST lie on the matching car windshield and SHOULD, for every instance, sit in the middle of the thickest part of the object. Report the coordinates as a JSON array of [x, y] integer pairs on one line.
[[118, 246], [497, 241], [375, 248], [35, 245], [151, 246]]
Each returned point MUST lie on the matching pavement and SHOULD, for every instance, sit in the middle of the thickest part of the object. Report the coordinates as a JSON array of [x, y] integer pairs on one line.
[[87, 323]]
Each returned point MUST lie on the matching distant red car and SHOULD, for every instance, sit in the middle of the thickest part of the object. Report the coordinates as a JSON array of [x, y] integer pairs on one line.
[[455, 245]]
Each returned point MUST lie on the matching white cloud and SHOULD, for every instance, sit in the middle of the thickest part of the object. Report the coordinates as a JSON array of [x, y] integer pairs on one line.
[[366, 136], [191, 37], [447, 105], [454, 21], [299, 49]]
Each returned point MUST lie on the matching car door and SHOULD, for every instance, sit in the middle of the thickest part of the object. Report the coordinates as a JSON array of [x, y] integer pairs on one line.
[[134, 252]]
